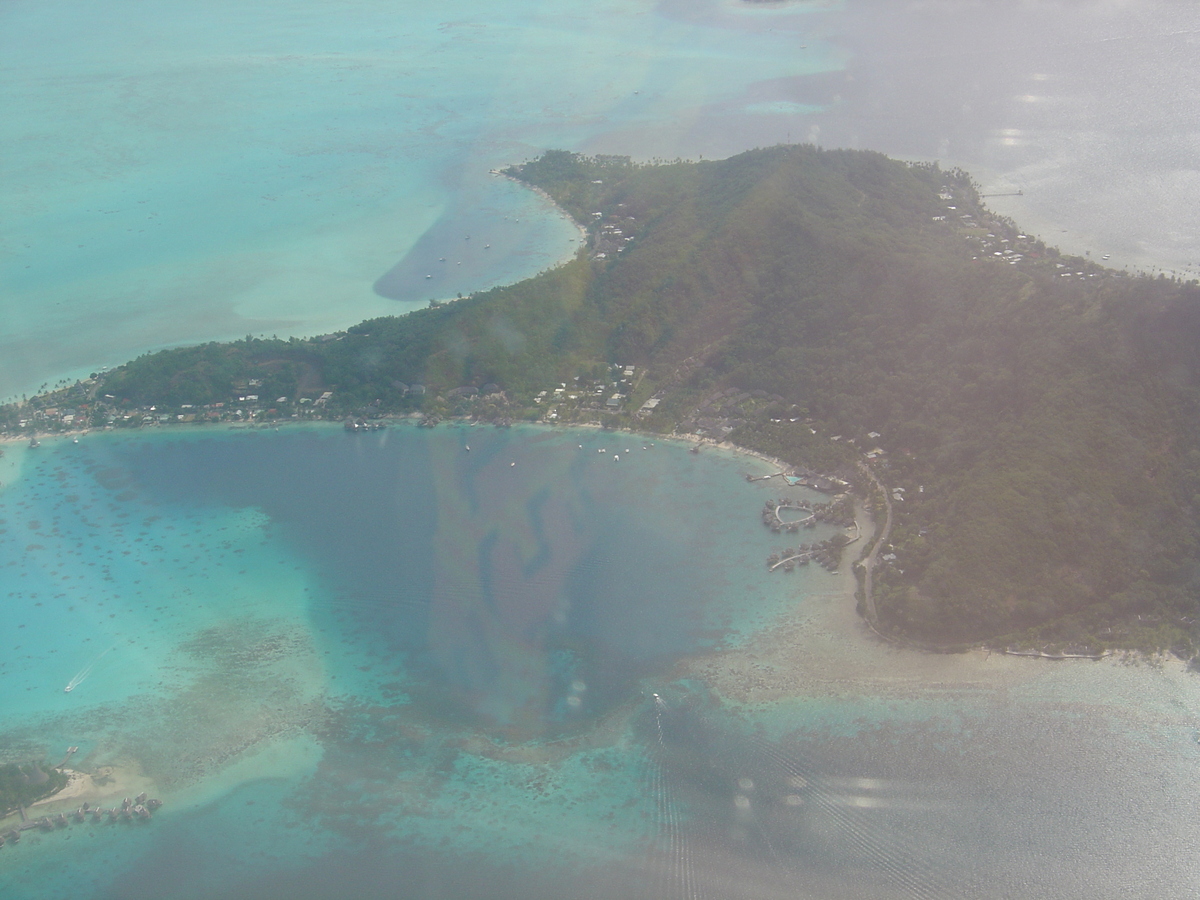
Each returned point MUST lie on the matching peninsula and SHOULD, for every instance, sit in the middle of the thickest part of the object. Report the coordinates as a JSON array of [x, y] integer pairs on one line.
[[1027, 421]]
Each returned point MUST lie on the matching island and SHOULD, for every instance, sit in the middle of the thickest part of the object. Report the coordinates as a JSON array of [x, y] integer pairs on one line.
[[1023, 424]]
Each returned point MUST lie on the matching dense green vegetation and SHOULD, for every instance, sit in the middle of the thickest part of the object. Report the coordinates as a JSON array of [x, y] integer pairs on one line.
[[1038, 413], [21, 785]]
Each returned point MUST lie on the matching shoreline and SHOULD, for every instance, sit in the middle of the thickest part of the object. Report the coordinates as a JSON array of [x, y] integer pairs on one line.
[[80, 374], [583, 233], [897, 642], [195, 427]]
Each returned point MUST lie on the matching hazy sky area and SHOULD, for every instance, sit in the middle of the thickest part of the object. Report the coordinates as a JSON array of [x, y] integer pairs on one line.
[[1090, 108]]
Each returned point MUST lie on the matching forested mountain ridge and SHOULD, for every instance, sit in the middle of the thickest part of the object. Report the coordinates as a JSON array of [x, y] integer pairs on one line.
[[1037, 414]]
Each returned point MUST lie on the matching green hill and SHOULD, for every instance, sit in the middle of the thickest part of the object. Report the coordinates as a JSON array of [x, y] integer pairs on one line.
[[1038, 413]]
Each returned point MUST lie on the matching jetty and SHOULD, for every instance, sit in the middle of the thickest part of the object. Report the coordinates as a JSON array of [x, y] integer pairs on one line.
[[836, 512], [140, 810], [826, 484], [773, 520], [790, 558], [71, 751], [826, 554], [1070, 653]]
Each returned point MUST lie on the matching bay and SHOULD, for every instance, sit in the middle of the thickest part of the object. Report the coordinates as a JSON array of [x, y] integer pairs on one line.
[[362, 662]]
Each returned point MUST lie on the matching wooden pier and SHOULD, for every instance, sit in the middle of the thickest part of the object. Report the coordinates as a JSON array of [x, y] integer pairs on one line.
[[139, 810]]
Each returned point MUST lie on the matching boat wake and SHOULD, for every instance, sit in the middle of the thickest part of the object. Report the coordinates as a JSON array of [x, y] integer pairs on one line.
[[84, 672]]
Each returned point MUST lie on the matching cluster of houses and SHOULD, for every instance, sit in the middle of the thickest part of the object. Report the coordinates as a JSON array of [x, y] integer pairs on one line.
[[826, 554], [583, 394], [611, 234], [83, 406], [1007, 246], [139, 809], [999, 241], [838, 512]]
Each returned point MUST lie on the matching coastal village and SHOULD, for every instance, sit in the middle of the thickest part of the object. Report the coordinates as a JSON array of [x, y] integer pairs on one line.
[[612, 397]]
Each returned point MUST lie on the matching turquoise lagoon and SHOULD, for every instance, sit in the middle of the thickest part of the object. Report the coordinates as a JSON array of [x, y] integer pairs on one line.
[[177, 172], [386, 663]]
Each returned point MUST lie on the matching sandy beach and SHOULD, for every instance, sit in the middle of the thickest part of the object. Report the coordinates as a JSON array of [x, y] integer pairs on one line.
[[107, 786]]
